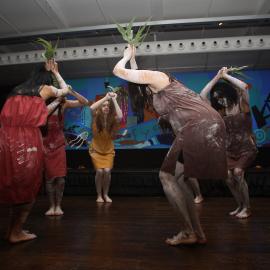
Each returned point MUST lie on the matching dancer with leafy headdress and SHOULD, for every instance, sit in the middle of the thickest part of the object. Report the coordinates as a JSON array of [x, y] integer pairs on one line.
[[231, 99]]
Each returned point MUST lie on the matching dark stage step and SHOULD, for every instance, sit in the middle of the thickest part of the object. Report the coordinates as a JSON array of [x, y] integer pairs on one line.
[[141, 182]]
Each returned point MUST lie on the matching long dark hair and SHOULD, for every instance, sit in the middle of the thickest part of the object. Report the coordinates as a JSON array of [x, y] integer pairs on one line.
[[221, 91], [140, 96], [31, 87], [112, 123], [165, 125]]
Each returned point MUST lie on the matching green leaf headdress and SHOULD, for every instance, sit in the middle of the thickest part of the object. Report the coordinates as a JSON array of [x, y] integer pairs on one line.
[[127, 33], [49, 49]]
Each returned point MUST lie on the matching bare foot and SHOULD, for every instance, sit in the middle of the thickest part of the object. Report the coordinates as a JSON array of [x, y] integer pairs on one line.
[[50, 212], [21, 237], [99, 200], [6, 237], [107, 199], [58, 211], [182, 238], [235, 212], [245, 213], [198, 199]]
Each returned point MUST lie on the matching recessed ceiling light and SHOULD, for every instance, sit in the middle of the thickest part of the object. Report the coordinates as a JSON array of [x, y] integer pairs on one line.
[[221, 23]]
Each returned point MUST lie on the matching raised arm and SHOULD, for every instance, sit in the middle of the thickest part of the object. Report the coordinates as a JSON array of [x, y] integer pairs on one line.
[[234, 81], [80, 102], [242, 88], [206, 90], [132, 61], [95, 105], [155, 79], [51, 91], [54, 69], [53, 105], [119, 114]]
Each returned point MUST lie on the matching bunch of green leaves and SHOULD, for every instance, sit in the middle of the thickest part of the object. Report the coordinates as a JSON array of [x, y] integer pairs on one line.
[[238, 71], [49, 48], [127, 33], [118, 90]]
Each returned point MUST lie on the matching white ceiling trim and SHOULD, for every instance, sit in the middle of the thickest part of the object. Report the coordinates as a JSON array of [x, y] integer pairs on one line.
[[187, 46]]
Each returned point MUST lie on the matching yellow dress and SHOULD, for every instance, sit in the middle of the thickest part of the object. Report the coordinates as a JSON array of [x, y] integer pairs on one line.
[[101, 149]]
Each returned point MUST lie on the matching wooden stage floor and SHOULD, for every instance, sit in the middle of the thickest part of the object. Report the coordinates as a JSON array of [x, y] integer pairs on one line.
[[129, 234]]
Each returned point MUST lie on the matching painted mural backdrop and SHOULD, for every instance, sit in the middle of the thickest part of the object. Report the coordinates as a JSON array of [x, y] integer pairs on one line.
[[142, 131]]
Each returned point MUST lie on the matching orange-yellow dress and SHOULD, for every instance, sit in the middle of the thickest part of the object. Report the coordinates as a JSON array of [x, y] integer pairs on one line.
[[101, 149]]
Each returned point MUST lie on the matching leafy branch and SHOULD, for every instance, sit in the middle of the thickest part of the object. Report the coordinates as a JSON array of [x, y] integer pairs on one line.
[[49, 49], [128, 35], [238, 71]]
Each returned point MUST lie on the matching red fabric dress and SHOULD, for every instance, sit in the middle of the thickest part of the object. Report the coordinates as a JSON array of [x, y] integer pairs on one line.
[[54, 144], [21, 148]]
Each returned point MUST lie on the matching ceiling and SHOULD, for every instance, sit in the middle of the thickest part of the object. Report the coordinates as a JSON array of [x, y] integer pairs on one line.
[[92, 22]]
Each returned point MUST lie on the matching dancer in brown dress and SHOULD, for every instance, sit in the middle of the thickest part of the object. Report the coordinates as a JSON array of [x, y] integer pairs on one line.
[[199, 130], [231, 100]]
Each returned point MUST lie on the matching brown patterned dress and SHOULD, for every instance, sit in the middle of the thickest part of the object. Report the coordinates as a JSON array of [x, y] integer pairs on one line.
[[240, 143], [199, 130]]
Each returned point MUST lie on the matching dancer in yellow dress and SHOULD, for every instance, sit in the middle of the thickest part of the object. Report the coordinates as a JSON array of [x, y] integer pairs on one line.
[[106, 117]]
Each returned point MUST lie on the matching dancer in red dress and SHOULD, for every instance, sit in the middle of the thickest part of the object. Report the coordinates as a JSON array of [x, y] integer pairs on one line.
[[22, 154], [54, 144]]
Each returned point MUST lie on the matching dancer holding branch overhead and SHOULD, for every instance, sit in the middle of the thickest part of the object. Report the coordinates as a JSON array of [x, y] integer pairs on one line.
[[21, 147], [231, 99], [53, 136], [106, 117], [196, 126]]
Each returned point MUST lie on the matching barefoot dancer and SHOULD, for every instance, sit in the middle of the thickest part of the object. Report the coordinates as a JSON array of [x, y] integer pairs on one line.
[[21, 158], [106, 117], [196, 126], [231, 100], [54, 144]]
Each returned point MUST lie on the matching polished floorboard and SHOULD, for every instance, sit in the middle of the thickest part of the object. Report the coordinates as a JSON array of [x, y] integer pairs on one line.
[[129, 234]]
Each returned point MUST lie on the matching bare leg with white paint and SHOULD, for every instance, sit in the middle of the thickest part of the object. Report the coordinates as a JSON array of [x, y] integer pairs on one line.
[[233, 186], [181, 199]]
